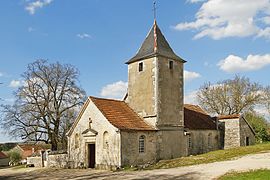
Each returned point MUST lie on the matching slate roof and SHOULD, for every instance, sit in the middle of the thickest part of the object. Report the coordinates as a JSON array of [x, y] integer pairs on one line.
[[195, 118], [155, 44], [232, 116], [2, 155], [120, 115]]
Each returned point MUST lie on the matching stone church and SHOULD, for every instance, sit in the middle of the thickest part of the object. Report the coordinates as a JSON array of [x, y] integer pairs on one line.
[[151, 123]]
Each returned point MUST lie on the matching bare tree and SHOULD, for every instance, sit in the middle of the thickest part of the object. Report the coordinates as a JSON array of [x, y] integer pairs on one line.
[[266, 99], [229, 96], [45, 105]]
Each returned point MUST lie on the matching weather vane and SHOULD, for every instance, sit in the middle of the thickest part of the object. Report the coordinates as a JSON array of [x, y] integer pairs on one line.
[[155, 9]]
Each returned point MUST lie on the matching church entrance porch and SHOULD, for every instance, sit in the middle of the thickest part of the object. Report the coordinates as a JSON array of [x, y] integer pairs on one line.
[[91, 155]]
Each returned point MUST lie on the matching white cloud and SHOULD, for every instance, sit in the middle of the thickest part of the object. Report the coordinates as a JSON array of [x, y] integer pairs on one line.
[[32, 6], [83, 36], [230, 18], [188, 75], [115, 90], [16, 83], [191, 98], [234, 63], [195, 1]]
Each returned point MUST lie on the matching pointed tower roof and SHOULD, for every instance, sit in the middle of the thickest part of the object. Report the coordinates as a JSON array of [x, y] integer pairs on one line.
[[155, 44]]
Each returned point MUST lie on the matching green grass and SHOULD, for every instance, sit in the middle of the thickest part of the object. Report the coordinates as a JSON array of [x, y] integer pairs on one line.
[[214, 156], [261, 174]]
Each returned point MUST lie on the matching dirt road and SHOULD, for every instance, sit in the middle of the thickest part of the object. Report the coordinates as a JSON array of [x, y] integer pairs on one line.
[[202, 171]]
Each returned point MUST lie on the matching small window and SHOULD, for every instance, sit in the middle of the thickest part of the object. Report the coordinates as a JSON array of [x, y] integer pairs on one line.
[[170, 64], [105, 140], [189, 141], [142, 144], [210, 140], [77, 139], [140, 66]]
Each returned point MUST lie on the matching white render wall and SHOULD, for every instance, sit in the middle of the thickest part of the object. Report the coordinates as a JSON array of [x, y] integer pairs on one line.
[[104, 157]]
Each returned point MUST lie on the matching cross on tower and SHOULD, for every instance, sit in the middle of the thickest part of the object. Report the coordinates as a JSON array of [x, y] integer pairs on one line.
[[155, 9]]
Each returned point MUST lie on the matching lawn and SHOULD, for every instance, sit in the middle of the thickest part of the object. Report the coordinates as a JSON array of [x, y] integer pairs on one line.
[[214, 156], [261, 174]]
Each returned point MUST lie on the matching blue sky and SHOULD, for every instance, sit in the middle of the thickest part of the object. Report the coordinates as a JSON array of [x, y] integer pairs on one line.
[[218, 38]]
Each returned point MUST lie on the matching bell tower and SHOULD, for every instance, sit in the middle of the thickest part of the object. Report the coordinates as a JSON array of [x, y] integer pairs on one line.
[[155, 91]]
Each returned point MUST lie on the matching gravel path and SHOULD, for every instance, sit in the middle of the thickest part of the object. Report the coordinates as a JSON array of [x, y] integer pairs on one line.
[[196, 172]]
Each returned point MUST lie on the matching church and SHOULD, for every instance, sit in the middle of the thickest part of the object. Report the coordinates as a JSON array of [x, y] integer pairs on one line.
[[152, 122]]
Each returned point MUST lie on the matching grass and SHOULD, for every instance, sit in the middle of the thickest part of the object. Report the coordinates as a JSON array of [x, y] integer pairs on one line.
[[261, 174], [214, 156]]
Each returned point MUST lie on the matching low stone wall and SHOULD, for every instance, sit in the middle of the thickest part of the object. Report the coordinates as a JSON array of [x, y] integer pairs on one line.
[[57, 160], [36, 161], [4, 162]]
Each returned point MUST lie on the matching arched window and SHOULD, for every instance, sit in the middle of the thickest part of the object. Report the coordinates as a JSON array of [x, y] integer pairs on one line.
[[210, 140], [77, 140], [142, 144], [105, 140]]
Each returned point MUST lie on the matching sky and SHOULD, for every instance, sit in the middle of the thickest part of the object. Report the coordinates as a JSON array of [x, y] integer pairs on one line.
[[217, 38]]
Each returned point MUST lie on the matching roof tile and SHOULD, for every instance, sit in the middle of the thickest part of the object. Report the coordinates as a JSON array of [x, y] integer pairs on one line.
[[120, 114], [196, 118]]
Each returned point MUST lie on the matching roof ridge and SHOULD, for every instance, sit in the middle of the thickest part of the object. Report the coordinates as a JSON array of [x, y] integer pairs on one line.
[[108, 99]]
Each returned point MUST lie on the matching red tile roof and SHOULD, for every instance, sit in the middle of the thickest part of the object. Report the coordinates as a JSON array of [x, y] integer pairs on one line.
[[120, 115], [231, 116], [2, 155], [196, 118], [29, 149]]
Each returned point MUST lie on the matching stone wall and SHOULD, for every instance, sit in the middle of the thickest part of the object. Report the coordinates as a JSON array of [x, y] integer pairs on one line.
[[105, 156], [36, 161], [170, 93], [246, 132], [141, 87], [202, 141], [57, 160], [130, 147], [4, 162], [231, 132]]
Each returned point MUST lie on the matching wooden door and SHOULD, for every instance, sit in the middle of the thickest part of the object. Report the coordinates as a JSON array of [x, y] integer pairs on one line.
[[91, 156], [247, 141]]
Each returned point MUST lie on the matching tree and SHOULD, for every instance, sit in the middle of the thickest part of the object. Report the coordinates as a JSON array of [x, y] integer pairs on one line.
[[260, 125], [15, 157], [229, 96], [266, 99], [45, 105]]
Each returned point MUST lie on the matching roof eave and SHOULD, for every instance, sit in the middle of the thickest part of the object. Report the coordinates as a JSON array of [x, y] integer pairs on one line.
[[134, 59]]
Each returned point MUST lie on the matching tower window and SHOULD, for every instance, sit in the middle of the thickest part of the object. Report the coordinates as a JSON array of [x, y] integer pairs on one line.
[[140, 66], [170, 64], [142, 144]]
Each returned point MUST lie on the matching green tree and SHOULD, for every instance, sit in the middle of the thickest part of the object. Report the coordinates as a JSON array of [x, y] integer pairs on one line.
[[260, 125], [15, 157]]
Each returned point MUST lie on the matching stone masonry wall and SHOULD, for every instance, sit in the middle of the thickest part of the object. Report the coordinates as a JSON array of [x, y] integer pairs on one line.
[[232, 133], [245, 132], [170, 93], [202, 141], [36, 161], [130, 147], [141, 87]]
